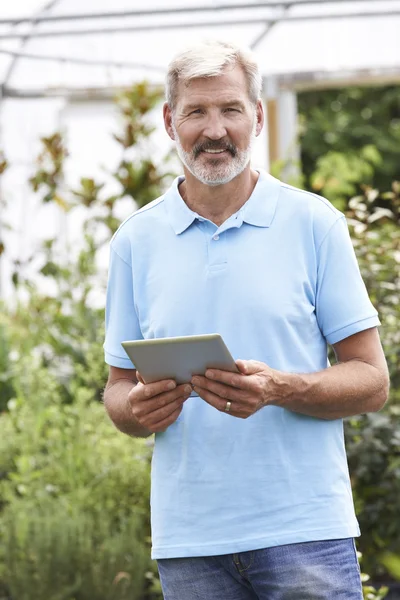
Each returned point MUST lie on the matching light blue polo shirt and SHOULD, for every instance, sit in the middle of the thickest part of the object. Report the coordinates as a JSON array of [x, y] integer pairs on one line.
[[278, 280]]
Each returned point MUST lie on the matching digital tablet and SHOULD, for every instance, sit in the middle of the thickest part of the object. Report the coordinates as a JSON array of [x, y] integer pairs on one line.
[[179, 358]]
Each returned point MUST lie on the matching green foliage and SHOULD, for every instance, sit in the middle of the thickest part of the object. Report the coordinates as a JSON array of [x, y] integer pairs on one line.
[[3, 167], [75, 497], [376, 238], [3, 162], [347, 120], [373, 440], [75, 555], [288, 171], [50, 168], [337, 174], [65, 330], [369, 591], [392, 564], [74, 494], [6, 375], [373, 449], [134, 105], [89, 191], [141, 181]]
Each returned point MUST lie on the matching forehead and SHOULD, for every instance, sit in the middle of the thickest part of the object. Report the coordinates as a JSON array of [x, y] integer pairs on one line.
[[230, 84]]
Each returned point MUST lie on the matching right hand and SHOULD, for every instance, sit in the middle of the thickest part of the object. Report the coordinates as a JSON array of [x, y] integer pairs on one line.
[[156, 405]]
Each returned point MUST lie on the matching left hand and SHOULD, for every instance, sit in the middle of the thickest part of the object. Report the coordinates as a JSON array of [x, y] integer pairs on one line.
[[254, 387]]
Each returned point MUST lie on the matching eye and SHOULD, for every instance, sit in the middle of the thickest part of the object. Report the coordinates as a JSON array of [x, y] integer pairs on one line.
[[231, 109], [196, 112]]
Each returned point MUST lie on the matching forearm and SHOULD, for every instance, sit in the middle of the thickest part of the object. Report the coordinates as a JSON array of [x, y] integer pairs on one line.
[[118, 408], [346, 389]]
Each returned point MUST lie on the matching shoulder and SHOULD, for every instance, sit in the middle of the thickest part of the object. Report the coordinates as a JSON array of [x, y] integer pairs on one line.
[[309, 210], [310, 201], [139, 224], [140, 217]]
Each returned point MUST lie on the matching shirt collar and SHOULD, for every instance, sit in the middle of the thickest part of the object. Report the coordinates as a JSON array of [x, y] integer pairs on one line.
[[259, 210], [179, 214]]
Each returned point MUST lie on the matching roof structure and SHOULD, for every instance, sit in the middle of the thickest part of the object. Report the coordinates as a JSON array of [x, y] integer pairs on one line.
[[58, 46]]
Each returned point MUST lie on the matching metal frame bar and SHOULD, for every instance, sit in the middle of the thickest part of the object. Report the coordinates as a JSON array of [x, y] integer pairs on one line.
[[88, 94], [268, 27], [322, 80], [34, 21], [225, 23], [172, 10], [82, 61], [296, 81]]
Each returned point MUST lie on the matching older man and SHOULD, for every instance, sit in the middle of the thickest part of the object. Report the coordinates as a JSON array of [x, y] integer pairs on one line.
[[251, 496]]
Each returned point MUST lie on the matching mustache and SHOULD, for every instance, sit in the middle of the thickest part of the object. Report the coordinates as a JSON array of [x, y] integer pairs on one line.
[[214, 145]]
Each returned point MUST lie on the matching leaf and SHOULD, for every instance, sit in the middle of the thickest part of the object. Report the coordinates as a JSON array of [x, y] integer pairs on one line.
[[3, 165], [371, 153], [50, 269], [61, 202], [392, 563]]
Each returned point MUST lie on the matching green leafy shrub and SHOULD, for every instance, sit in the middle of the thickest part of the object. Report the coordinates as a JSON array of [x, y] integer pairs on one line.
[[376, 237], [344, 121], [74, 493], [373, 440], [56, 550], [75, 497], [338, 174], [369, 591], [373, 449], [6, 376]]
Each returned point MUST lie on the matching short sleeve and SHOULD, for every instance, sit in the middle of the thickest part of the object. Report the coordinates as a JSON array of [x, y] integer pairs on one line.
[[121, 318], [343, 307]]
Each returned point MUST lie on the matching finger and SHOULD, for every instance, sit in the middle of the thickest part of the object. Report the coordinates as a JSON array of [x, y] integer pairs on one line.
[[142, 406], [222, 390], [236, 380], [149, 390], [212, 399], [165, 423], [242, 366], [162, 414], [250, 367]]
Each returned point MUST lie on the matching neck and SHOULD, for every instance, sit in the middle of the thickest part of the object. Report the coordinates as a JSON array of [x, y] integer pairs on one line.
[[218, 203]]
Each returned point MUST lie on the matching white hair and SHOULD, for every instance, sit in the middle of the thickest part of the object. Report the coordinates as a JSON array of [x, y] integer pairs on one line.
[[209, 59]]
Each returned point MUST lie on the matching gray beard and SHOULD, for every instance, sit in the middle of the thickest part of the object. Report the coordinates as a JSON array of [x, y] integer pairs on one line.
[[216, 174]]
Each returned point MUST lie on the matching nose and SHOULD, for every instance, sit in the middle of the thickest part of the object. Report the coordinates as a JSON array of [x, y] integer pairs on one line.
[[214, 127]]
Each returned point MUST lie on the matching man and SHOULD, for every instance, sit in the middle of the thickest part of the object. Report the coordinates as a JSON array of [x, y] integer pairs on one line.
[[251, 496]]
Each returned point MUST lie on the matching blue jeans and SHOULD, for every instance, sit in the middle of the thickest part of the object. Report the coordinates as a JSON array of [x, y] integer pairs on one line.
[[326, 570]]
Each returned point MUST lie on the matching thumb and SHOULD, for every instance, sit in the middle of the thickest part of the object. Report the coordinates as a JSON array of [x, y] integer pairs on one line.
[[139, 377], [249, 367]]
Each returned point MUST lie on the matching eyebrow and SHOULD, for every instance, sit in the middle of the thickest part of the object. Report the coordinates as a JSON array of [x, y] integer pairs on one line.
[[194, 106]]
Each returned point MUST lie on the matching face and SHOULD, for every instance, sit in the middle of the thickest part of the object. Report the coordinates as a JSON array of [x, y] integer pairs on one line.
[[214, 125]]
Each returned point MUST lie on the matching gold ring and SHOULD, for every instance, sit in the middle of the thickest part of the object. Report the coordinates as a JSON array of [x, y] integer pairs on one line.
[[228, 406]]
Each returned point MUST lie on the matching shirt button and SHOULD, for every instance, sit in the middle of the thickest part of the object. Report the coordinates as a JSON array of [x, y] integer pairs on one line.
[[216, 237]]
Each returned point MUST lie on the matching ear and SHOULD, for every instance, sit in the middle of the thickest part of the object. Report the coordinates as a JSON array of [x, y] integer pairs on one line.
[[167, 114], [259, 117]]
